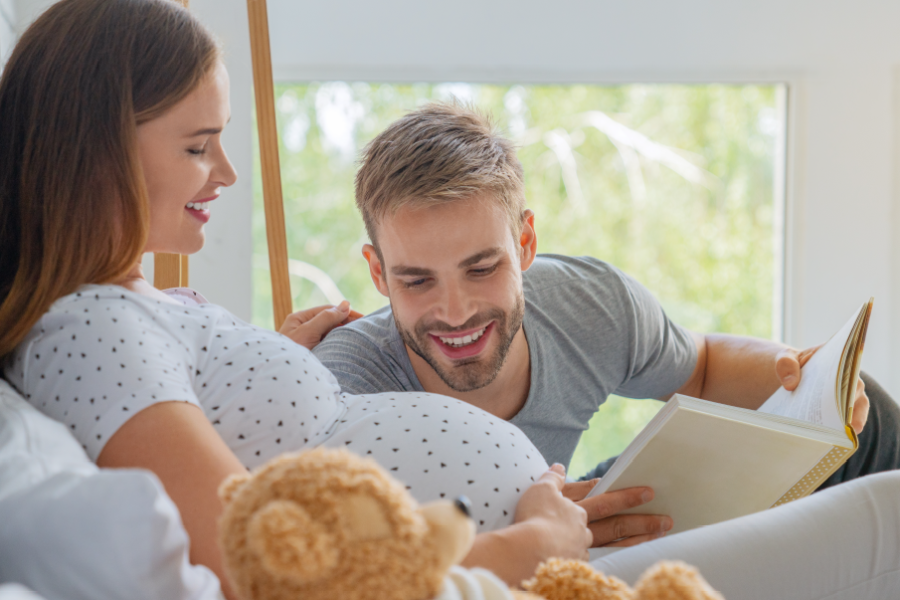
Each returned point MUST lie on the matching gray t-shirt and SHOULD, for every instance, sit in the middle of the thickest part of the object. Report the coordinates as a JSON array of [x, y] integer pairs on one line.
[[592, 331]]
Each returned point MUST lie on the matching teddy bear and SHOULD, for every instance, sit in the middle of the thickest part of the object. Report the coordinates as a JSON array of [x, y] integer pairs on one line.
[[328, 524], [559, 579]]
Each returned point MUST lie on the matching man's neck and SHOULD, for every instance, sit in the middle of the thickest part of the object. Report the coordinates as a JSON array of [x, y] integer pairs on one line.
[[504, 397]]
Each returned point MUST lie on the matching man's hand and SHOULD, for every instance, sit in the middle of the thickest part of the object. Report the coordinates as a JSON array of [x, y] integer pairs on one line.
[[560, 525], [611, 529], [788, 363], [308, 327]]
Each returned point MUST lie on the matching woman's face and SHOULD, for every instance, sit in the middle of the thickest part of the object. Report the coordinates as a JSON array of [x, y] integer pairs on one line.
[[185, 165]]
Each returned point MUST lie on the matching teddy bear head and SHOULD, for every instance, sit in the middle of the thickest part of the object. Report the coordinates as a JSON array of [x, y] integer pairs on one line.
[[330, 524]]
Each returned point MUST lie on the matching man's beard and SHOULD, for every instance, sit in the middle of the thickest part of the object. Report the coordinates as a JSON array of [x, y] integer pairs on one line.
[[474, 373]]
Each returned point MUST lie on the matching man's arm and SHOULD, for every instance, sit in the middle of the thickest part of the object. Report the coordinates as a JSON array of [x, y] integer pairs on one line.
[[744, 372], [738, 371]]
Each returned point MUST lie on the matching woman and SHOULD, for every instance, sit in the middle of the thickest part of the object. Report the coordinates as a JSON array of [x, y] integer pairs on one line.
[[114, 111]]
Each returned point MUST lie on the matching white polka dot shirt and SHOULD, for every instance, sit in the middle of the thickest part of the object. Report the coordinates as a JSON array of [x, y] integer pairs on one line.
[[103, 354]]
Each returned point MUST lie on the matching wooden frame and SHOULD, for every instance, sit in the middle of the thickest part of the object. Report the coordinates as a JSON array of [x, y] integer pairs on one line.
[[268, 154]]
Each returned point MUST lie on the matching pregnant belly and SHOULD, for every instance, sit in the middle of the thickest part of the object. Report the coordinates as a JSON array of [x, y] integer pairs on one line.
[[440, 447]]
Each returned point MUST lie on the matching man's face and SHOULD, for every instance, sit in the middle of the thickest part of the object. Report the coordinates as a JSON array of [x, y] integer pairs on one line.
[[453, 274]]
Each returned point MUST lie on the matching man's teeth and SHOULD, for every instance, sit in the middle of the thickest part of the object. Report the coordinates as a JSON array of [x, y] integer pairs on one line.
[[198, 205], [465, 340]]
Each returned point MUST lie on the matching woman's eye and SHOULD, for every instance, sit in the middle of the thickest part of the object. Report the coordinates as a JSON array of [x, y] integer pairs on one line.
[[196, 151]]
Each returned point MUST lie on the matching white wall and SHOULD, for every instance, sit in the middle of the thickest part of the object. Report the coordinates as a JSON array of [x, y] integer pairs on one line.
[[7, 28], [840, 59]]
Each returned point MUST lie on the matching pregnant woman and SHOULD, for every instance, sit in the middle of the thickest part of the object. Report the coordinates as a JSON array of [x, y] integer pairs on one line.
[[111, 117]]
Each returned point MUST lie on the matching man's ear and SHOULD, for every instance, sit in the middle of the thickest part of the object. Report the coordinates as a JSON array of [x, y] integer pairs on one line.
[[375, 269], [528, 240]]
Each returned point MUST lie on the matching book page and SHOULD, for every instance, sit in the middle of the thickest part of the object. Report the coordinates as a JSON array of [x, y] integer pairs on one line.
[[814, 399]]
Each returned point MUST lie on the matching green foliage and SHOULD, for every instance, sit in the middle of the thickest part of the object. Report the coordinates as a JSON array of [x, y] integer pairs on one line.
[[705, 249]]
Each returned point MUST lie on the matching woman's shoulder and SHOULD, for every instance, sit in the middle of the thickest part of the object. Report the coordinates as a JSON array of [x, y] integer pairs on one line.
[[101, 314]]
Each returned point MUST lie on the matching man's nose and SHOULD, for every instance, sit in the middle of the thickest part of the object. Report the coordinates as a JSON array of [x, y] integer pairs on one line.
[[457, 308]]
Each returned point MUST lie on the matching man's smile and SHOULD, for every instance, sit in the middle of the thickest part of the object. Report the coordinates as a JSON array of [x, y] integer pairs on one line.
[[463, 344]]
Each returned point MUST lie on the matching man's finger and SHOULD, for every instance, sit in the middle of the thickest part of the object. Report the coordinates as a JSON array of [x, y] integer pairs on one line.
[[610, 503], [860, 412], [621, 527], [577, 490]]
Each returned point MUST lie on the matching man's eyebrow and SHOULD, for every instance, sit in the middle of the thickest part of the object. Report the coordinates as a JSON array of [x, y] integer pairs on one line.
[[404, 271], [477, 258]]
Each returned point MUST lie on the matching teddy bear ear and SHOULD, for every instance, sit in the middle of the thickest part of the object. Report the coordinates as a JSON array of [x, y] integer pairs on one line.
[[290, 543], [557, 578], [231, 485], [676, 580]]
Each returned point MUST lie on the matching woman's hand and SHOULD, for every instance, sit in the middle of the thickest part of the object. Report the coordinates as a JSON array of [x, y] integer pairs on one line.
[[547, 525], [560, 526], [308, 327]]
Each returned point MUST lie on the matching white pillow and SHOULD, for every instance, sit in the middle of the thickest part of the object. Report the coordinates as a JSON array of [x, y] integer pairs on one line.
[[71, 531], [32, 446]]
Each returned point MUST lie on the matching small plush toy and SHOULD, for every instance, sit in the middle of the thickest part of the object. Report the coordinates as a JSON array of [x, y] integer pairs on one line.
[[327, 524], [559, 579]]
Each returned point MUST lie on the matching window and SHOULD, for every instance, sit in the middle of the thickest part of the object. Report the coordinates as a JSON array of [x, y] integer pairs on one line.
[[674, 184]]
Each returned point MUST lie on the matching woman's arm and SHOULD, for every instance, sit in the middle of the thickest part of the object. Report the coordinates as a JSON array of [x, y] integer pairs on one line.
[[177, 442]]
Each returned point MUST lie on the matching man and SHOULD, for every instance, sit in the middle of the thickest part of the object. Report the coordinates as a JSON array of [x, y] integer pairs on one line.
[[541, 341]]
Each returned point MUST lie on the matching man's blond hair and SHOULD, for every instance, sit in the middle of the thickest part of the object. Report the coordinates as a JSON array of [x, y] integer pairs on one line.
[[437, 154]]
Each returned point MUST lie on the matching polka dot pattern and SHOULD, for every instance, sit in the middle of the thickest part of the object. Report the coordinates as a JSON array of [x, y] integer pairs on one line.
[[440, 448], [812, 480], [103, 354]]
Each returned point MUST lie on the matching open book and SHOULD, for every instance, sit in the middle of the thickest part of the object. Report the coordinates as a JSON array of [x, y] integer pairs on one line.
[[709, 462]]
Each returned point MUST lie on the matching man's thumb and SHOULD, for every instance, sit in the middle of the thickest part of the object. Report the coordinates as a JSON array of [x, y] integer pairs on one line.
[[787, 367]]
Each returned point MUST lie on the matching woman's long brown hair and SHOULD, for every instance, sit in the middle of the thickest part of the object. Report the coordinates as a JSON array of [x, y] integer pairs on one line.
[[73, 202]]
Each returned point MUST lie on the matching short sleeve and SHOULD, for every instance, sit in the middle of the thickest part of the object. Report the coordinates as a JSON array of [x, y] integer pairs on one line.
[[360, 364], [662, 354], [94, 362]]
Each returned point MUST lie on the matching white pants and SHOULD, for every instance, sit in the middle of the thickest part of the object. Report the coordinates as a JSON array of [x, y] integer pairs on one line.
[[842, 543]]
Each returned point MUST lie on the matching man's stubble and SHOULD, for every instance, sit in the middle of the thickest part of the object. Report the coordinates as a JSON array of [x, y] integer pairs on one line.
[[467, 375]]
